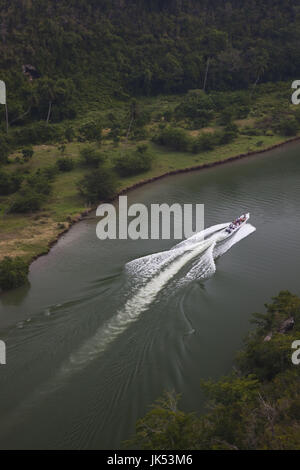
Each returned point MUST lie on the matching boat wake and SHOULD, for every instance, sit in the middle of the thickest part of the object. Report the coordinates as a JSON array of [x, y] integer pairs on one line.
[[192, 259], [149, 276]]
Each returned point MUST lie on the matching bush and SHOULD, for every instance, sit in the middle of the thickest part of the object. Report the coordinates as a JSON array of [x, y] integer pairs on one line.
[[206, 141], [197, 106], [251, 131], [134, 163], [226, 116], [28, 200], [297, 114], [142, 118], [13, 272], [174, 138], [91, 157], [9, 183], [139, 133], [38, 186], [65, 164], [62, 148], [40, 182], [27, 153], [36, 133], [168, 115], [4, 151], [99, 184], [69, 134], [91, 131], [229, 134], [288, 127]]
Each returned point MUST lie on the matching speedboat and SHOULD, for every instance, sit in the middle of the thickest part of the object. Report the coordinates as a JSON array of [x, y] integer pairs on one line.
[[234, 226]]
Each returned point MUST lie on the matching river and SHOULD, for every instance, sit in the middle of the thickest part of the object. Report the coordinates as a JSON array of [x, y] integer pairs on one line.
[[90, 346]]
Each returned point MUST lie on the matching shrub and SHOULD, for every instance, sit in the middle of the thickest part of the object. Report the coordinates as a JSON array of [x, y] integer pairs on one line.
[[251, 131], [168, 115], [36, 133], [62, 148], [4, 151], [114, 134], [226, 116], [134, 163], [174, 138], [13, 272], [297, 114], [69, 134], [97, 185], [29, 200], [206, 141], [91, 131], [9, 183], [196, 106], [27, 153], [142, 118], [288, 127], [139, 133], [65, 164], [229, 134], [39, 182], [91, 157]]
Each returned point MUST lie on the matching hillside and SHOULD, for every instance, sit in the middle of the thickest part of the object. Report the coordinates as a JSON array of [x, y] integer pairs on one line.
[[124, 47]]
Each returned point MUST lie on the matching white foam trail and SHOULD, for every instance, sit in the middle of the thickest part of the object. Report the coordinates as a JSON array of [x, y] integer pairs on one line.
[[205, 266], [163, 267], [131, 310], [147, 266], [155, 271]]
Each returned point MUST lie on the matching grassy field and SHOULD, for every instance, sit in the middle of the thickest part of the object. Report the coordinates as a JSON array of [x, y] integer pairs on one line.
[[30, 235]]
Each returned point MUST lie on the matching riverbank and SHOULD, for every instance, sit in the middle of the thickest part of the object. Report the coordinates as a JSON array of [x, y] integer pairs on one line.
[[31, 236]]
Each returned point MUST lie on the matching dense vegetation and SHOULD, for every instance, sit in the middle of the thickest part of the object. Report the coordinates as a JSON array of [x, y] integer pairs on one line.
[[122, 47], [135, 162], [256, 407], [13, 273]]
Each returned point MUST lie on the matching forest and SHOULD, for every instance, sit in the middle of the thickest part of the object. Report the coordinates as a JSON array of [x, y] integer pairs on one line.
[[68, 51]]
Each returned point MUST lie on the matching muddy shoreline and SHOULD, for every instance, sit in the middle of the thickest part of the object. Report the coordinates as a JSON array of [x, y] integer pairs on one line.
[[202, 166]]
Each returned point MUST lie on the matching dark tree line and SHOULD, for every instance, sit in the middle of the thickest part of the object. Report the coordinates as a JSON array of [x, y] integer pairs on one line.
[[148, 47]]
